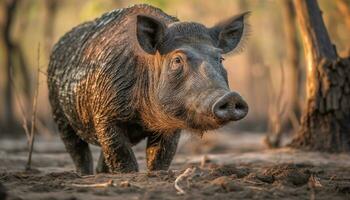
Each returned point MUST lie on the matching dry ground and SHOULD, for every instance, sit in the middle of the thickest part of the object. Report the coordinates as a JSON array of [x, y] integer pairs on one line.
[[237, 167]]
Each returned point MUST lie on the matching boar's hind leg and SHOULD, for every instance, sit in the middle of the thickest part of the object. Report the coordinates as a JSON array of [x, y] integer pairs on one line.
[[116, 148], [77, 148], [161, 150], [101, 165]]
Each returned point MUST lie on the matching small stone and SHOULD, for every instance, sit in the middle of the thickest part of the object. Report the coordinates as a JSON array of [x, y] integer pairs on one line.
[[266, 178], [222, 180], [226, 183]]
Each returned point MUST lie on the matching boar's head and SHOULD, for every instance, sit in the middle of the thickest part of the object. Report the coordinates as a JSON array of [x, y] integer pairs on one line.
[[190, 86]]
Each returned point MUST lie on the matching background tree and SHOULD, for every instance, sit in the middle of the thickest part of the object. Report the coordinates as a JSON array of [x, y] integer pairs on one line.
[[15, 62], [9, 11], [278, 123], [292, 50], [326, 120]]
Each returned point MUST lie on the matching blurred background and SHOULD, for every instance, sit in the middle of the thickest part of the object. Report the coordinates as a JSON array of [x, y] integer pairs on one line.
[[269, 73]]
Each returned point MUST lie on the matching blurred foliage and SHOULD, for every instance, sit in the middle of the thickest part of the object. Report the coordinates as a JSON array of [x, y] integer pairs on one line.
[[93, 8]]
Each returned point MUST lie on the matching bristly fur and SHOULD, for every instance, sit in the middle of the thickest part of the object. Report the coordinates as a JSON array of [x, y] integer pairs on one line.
[[98, 72]]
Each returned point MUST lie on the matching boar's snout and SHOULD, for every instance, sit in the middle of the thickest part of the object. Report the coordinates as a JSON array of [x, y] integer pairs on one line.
[[230, 107]]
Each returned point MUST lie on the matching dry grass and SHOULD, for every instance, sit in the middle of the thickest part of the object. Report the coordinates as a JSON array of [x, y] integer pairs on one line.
[[34, 114], [29, 134]]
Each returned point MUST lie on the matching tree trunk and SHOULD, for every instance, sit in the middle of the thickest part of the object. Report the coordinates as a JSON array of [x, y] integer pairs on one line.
[[325, 124], [293, 60]]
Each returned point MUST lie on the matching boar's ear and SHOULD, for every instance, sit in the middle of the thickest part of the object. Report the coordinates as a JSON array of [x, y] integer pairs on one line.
[[229, 33], [149, 33]]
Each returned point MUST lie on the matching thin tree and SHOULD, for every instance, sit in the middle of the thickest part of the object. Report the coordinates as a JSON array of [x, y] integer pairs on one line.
[[276, 107], [14, 60], [292, 50], [9, 12], [325, 123]]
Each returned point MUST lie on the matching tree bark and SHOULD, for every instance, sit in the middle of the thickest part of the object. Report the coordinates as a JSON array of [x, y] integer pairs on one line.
[[325, 124]]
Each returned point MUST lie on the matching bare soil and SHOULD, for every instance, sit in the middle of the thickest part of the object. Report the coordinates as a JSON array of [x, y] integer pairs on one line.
[[227, 166]]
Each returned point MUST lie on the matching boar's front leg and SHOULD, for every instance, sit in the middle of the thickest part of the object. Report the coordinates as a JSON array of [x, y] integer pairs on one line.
[[77, 148], [116, 148], [161, 150], [101, 164]]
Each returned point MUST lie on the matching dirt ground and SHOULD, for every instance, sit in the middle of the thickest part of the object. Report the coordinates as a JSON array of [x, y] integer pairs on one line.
[[225, 166]]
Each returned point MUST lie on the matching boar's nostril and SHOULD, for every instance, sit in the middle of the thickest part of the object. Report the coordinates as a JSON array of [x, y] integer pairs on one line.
[[224, 106], [230, 107], [240, 106]]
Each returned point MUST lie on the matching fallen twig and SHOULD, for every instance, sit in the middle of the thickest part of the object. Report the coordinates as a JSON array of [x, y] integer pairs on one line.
[[253, 182], [187, 173], [256, 188], [109, 183]]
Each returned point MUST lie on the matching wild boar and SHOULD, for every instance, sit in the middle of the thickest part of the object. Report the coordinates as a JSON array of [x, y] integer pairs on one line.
[[137, 73]]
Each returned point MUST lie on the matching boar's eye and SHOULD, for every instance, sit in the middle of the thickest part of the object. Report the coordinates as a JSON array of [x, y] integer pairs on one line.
[[221, 59], [176, 63]]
